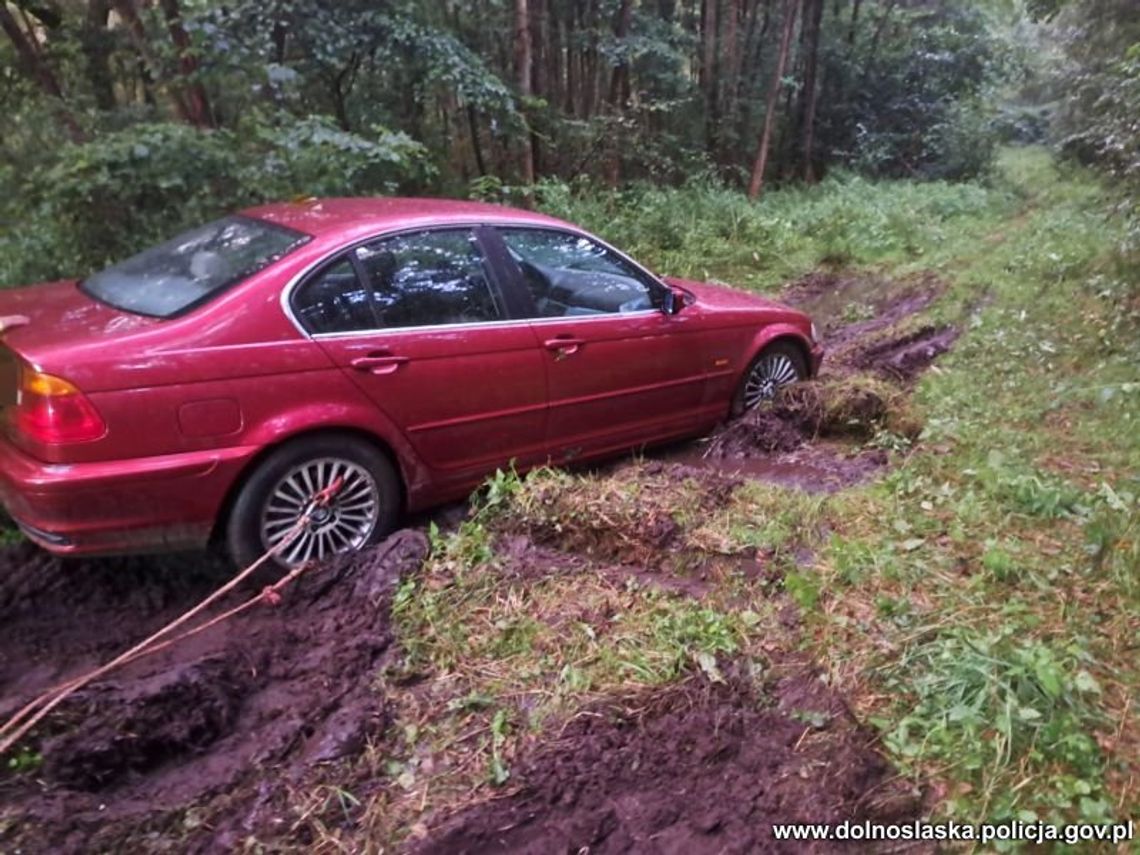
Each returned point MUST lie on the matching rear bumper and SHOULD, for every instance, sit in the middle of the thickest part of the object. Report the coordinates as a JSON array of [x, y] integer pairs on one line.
[[138, 505]]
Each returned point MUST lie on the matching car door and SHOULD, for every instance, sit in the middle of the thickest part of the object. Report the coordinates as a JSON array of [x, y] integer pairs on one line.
[[419, 323], [620, 372]]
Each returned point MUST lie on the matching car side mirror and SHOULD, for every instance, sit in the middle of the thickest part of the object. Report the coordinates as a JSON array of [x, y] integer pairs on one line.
[[674, 301]]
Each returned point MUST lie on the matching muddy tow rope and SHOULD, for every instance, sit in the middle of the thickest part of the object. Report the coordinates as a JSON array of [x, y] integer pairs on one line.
[[32, 713]]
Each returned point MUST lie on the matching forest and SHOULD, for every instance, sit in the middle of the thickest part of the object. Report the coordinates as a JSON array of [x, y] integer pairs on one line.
[[126, 120], [907, 589]]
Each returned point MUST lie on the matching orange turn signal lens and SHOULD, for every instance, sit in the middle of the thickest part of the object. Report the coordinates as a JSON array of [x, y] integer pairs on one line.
[[45, 385]]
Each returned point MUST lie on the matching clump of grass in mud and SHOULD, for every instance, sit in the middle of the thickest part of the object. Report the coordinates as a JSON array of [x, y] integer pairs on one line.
[[856, 405], [637, 515]]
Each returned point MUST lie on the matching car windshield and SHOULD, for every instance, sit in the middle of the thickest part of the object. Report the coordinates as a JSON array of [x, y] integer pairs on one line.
[[178, 275]]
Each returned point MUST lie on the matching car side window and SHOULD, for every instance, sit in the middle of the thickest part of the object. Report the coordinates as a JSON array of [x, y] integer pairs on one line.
[[570, 275], [334, 301], [418, 279]]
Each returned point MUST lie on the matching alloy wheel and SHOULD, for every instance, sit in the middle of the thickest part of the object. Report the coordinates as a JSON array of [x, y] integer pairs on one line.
[[768, 374], [340, 500]]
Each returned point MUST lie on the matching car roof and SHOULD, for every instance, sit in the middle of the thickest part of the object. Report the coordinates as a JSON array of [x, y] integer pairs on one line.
[[350, 216]]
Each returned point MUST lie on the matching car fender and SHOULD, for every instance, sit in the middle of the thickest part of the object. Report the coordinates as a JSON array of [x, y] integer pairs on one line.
[[769, 333], [340, 414]]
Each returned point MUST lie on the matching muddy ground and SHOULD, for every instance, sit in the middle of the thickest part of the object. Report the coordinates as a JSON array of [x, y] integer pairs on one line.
[[698, 767], [874, 354], [221, 726], [200, 747]]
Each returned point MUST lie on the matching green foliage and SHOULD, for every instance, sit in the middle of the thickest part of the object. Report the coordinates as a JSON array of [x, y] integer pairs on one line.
[[985, 700], [706, 230], [902, 89], [803, 588], [915, 107], [314, 157], [97, 202], [1101, 83], [24, 761]]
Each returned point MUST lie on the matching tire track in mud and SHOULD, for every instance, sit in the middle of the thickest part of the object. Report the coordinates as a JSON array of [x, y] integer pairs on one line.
[[871, 362], [707, 766], [226, 722]]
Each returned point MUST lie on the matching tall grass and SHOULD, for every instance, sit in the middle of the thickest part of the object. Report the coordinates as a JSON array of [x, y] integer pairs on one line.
[[708, 231]]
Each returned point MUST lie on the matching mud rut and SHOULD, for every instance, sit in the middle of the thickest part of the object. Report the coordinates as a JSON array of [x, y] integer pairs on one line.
[[201, 746]]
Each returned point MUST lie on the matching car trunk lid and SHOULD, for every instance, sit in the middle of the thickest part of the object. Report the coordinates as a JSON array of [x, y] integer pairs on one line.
[[36, 320]]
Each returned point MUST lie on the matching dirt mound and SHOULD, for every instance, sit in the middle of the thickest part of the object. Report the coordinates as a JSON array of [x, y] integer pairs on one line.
[[853, 406], [698, 767], [761, 431], [223, 723], [874, 351]]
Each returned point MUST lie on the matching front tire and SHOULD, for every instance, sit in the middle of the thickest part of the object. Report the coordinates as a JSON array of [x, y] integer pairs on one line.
[[779, 364], [284, 487]]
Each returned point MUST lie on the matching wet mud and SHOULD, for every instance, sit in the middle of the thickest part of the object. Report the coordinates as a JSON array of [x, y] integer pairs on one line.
[[700, 767], [523, 559], [226, 722], [813, 435]]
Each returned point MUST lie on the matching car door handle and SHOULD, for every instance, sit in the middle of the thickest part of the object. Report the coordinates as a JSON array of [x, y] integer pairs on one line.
[[378, 363], [563, 346]]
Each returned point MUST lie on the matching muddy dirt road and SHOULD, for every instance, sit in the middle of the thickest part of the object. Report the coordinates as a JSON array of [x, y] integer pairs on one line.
[[200, 747]]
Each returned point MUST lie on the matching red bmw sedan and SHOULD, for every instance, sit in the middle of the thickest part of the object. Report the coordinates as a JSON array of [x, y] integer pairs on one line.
[[307, 372]]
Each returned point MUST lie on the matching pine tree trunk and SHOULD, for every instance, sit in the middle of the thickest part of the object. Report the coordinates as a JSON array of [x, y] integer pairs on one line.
[[854, 21], [523, 77], [152, 70], [619, 93], [810, 92], [36, 69], [709, 37], [95, 44], [193, 92], [756, 185]]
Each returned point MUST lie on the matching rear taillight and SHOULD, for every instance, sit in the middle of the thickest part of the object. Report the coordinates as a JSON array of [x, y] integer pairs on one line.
[[50, 410]]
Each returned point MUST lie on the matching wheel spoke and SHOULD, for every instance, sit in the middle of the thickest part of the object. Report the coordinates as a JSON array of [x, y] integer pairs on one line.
[[354, 489], [767, 376], [293, 553], [365, 504], [337, 540], [278, 529]]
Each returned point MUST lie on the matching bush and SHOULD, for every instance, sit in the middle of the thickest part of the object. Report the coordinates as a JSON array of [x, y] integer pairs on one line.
[[93, 203]]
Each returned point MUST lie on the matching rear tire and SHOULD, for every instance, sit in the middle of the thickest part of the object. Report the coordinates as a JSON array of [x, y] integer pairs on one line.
[[779, 364], [281, 490]]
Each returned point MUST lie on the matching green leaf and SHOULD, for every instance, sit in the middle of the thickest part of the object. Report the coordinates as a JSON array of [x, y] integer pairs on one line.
[[1049, 677], [1086, 682]]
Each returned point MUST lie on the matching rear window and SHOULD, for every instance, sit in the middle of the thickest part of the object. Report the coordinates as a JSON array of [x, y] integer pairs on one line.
[[174, 277]]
